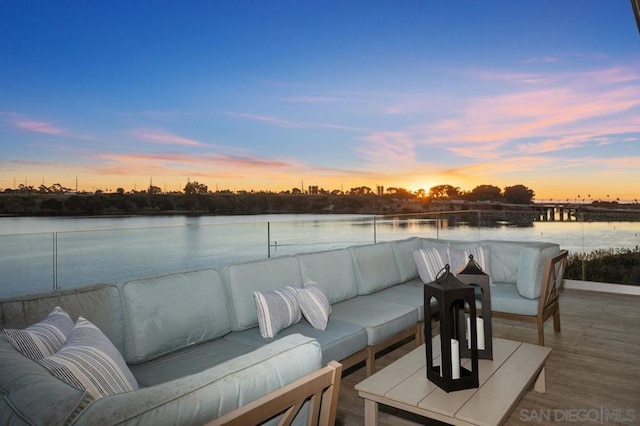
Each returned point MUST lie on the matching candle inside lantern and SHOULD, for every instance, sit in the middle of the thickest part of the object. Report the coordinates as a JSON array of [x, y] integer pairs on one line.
[[455, 359], [479, 333]]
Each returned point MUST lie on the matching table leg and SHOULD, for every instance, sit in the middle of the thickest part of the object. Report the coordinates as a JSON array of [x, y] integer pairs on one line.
[[540, 385], [370, 413]]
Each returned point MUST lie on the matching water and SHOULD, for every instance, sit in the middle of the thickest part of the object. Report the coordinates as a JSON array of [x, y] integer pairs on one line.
[[38, 254]]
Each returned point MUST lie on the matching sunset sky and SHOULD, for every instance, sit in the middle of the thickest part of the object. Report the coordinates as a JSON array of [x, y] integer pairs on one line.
[[271, 95]]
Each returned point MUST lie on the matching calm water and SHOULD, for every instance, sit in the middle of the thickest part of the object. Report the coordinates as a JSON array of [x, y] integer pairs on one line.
[[40, 253]]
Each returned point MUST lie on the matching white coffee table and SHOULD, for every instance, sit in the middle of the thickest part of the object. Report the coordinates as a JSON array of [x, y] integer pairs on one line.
[[503, 381]]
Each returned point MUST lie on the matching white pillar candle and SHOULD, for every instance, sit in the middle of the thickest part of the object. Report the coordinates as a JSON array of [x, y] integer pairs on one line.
[[455, 359], [479, 332]]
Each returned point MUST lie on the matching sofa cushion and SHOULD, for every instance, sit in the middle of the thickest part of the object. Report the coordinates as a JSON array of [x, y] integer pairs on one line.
[[462, 245], [433, 242], [532, 264], [333, 271], [403, 251], [450, 244], [430, 261], [31, 395], [505, 259], [169, 312], [190, 360], [339, 340], [242, 279], [380, 318], [314, 305], [99, 303], [43, 338], [505, 298], [277, 310], [375, 267], [89, 361], [224, 387], [410, 293]]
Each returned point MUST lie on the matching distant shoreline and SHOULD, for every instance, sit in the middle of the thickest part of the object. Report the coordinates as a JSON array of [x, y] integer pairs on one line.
[[224, 204]]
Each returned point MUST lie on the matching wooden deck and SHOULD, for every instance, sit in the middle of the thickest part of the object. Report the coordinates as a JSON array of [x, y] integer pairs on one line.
[[593, 370]]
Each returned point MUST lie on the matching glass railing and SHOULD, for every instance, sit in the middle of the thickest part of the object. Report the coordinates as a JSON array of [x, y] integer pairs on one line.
[[31, 262]]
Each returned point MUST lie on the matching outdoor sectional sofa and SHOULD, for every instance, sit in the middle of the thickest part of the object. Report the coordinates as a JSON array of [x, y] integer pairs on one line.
[[192, 340]]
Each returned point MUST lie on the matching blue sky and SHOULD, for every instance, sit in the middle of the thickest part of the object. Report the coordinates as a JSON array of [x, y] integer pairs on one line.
[[271, 95]]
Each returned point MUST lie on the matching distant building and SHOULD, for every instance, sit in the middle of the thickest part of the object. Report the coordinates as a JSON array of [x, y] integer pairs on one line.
[[313, 189], [380, 190]]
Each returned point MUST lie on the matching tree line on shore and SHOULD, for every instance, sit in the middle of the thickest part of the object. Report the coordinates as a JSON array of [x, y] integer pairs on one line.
[[198, 199], [517, 194]]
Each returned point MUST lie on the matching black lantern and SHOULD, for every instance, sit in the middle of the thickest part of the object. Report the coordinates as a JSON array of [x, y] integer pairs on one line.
[[452, 297], [474, 276]]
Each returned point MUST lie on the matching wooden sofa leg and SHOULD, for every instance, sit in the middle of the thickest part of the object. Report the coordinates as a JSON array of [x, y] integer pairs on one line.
[[370, 362], [540, 332], [419, 334], [556, 321]]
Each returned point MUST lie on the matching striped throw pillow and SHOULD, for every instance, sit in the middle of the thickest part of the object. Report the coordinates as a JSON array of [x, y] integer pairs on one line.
[[430, 261], [89, 361], [314, 305], [44, 338], [277, 310]]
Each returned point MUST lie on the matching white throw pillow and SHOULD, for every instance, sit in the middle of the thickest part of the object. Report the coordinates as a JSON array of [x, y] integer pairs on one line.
[[460, 259], [314, 304], [89, 361], [277, 310], [43, 338], [430, 261]]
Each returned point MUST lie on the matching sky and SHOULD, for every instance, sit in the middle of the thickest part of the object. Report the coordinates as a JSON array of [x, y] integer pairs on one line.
[[276, 95]]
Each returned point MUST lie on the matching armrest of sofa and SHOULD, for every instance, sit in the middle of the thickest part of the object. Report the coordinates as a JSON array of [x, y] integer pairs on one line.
[[202, 397], [323, 385]]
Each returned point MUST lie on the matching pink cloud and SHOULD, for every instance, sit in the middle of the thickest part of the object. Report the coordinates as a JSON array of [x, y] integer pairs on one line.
[[294, 124], [267, 119], [315, 99], [165, 138], [488, 151], [559, 111], [387, 147], [613, 75], [200, 159], [41, 127]]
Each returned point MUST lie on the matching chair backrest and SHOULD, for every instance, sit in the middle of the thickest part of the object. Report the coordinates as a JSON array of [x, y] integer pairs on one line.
[[321, 388], [552, 283]]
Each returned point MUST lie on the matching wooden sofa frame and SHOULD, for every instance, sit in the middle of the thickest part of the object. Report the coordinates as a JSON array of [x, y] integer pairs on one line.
[[322, 387], [368, 354], [549, 297]]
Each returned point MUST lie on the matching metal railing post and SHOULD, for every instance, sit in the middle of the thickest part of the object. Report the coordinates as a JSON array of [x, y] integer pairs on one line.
[[375, 235], [584, 256], [268, 240], [55, 260]]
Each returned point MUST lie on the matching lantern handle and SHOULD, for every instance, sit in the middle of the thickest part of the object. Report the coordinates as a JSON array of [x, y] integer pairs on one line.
[[443, 273]]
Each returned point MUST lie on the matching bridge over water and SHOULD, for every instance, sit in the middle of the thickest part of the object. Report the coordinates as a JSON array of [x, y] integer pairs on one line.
[[557, 211]]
